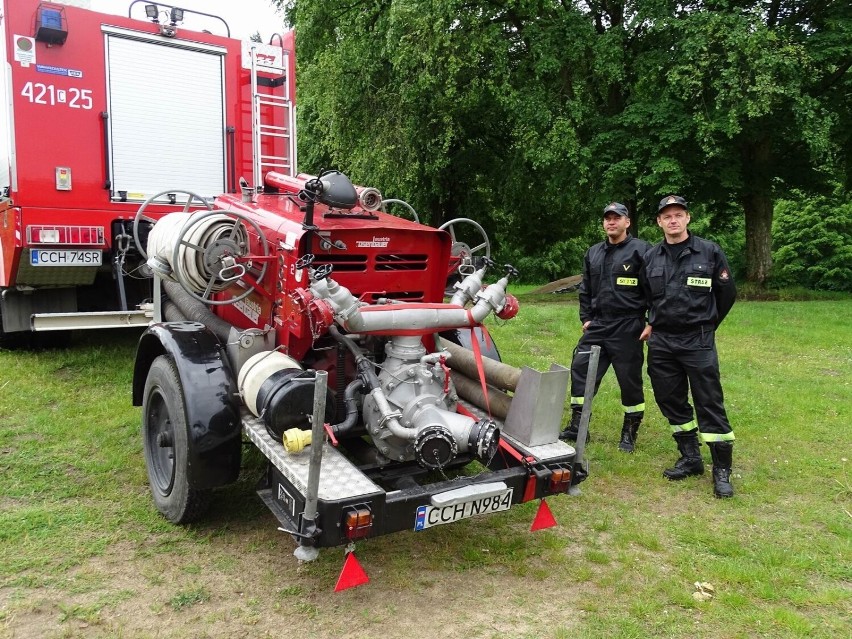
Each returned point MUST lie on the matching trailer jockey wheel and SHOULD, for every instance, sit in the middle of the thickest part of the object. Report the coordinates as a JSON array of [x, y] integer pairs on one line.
[[139, 214], [463, 251], [166, 445], [223, 261]]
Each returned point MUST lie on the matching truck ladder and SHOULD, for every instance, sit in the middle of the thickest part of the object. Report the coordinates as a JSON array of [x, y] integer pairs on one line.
[[279, 123]]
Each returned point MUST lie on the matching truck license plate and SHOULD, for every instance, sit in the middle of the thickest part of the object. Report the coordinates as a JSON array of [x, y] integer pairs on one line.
[[51, 257], [428, 516]]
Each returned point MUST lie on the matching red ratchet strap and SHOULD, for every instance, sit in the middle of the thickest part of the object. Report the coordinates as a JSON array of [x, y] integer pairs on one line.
[[529, 489], [443, 362], [477, 353], [505, 447], [330, 434], [461, 410]]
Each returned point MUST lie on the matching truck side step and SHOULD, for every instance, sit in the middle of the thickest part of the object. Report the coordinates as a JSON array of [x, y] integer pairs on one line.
[[95, 320]]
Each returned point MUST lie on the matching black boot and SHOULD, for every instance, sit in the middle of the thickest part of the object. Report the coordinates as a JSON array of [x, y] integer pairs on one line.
[[632, 421], [721, 454], [573, 429], [690, 462]]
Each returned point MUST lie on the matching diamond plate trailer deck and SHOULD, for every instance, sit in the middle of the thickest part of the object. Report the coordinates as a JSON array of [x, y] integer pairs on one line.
[[343, 485]]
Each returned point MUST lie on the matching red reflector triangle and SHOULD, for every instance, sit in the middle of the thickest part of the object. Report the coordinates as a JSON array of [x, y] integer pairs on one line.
[[352, 574], [543, 518]]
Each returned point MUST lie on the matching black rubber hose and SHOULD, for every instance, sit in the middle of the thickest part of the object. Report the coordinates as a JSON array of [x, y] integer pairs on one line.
[[340, 378], [194, 311], [346, 341], [347, 428], [171, 313], [365, 366]]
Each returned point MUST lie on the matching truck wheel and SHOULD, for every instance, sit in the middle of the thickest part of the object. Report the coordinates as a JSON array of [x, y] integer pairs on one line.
[[164, 438]]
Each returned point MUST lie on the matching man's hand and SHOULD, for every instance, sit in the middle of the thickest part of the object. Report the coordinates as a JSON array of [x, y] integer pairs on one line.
[[646, 333], [586, 325]]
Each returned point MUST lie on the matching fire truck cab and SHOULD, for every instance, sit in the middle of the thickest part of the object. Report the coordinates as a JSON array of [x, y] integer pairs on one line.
[[100, 114]]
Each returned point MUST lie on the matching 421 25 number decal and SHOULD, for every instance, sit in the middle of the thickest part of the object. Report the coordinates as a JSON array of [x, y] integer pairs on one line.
[[47, 94]]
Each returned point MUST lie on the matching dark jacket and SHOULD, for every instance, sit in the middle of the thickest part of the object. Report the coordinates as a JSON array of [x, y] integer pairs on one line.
[[693, 291], [610, 286]]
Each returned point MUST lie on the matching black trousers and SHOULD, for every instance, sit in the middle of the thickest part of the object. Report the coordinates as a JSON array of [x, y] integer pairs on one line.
[[678, 364], [621, 348]]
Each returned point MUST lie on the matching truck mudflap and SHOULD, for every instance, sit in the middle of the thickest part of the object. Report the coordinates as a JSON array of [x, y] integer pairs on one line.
[[352, 506]]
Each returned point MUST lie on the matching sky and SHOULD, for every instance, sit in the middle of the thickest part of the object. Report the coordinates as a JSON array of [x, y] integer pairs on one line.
[[244, 17]]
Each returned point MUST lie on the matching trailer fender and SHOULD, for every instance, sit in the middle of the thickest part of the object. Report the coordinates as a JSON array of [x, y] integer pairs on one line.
[[209, 393], [464, 337]]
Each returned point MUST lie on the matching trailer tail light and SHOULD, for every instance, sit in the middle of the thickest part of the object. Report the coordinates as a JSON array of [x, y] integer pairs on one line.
[[71, 235], [560, 479], [357, 522]]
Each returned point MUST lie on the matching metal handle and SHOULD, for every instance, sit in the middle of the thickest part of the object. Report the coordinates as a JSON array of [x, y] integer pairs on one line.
[[107, 176]]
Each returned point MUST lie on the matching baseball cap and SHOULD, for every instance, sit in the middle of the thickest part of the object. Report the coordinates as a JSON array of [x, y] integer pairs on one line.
[[671, 200], [616, 207]]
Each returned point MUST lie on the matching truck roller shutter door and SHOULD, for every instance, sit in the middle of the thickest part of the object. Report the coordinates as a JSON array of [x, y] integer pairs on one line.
[[166, 118]]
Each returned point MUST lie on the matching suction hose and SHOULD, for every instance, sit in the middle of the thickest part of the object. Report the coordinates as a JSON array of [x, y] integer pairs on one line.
[[195, 311], [171, 313]]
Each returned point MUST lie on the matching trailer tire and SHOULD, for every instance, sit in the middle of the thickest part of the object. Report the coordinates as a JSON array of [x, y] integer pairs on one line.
[[166, 445]]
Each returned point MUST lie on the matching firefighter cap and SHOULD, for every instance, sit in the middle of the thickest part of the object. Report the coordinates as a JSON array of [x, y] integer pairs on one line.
[[616, 207], [670, 200]]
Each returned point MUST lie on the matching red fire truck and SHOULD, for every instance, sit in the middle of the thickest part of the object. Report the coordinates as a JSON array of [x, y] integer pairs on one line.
[[288, 311], [101, 113]]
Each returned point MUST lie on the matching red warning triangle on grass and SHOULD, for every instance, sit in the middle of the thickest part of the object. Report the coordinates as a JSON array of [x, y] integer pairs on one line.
[[543, 518], [352, 574]]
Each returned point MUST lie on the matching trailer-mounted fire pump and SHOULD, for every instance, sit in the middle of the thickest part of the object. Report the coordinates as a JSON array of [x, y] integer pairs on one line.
[[302, 317]]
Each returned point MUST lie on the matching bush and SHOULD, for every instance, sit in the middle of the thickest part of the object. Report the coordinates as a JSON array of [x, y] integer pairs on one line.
[[552, 258], [813, 244]]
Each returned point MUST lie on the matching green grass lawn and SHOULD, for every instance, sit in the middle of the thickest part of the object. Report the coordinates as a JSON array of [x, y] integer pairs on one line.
[[780, 553], [84, 553]]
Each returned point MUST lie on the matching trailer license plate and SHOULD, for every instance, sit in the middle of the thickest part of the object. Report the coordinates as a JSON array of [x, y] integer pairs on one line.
[[428, 516], [50, 257]]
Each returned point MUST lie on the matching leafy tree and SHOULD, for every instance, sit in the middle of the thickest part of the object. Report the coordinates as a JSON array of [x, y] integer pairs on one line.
[[759, 82], [394, 93], [530, 115], [814, 240]]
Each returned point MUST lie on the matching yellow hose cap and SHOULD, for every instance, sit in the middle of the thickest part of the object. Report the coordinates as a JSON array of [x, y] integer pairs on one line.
[[295, 440]]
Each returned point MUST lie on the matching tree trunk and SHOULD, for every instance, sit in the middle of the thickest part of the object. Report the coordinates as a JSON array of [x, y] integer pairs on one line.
[[757, 204], [758, 230], [634, 216]]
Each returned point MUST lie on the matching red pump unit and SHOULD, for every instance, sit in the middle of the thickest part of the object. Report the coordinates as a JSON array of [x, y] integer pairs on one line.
[[301, 316]]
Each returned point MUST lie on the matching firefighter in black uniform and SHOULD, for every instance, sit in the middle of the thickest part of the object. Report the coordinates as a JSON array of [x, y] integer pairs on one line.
[[690, 291], [612, 310]]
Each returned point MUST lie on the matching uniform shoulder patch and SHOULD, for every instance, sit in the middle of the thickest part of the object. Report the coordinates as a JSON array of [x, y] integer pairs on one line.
[[724, 275]]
